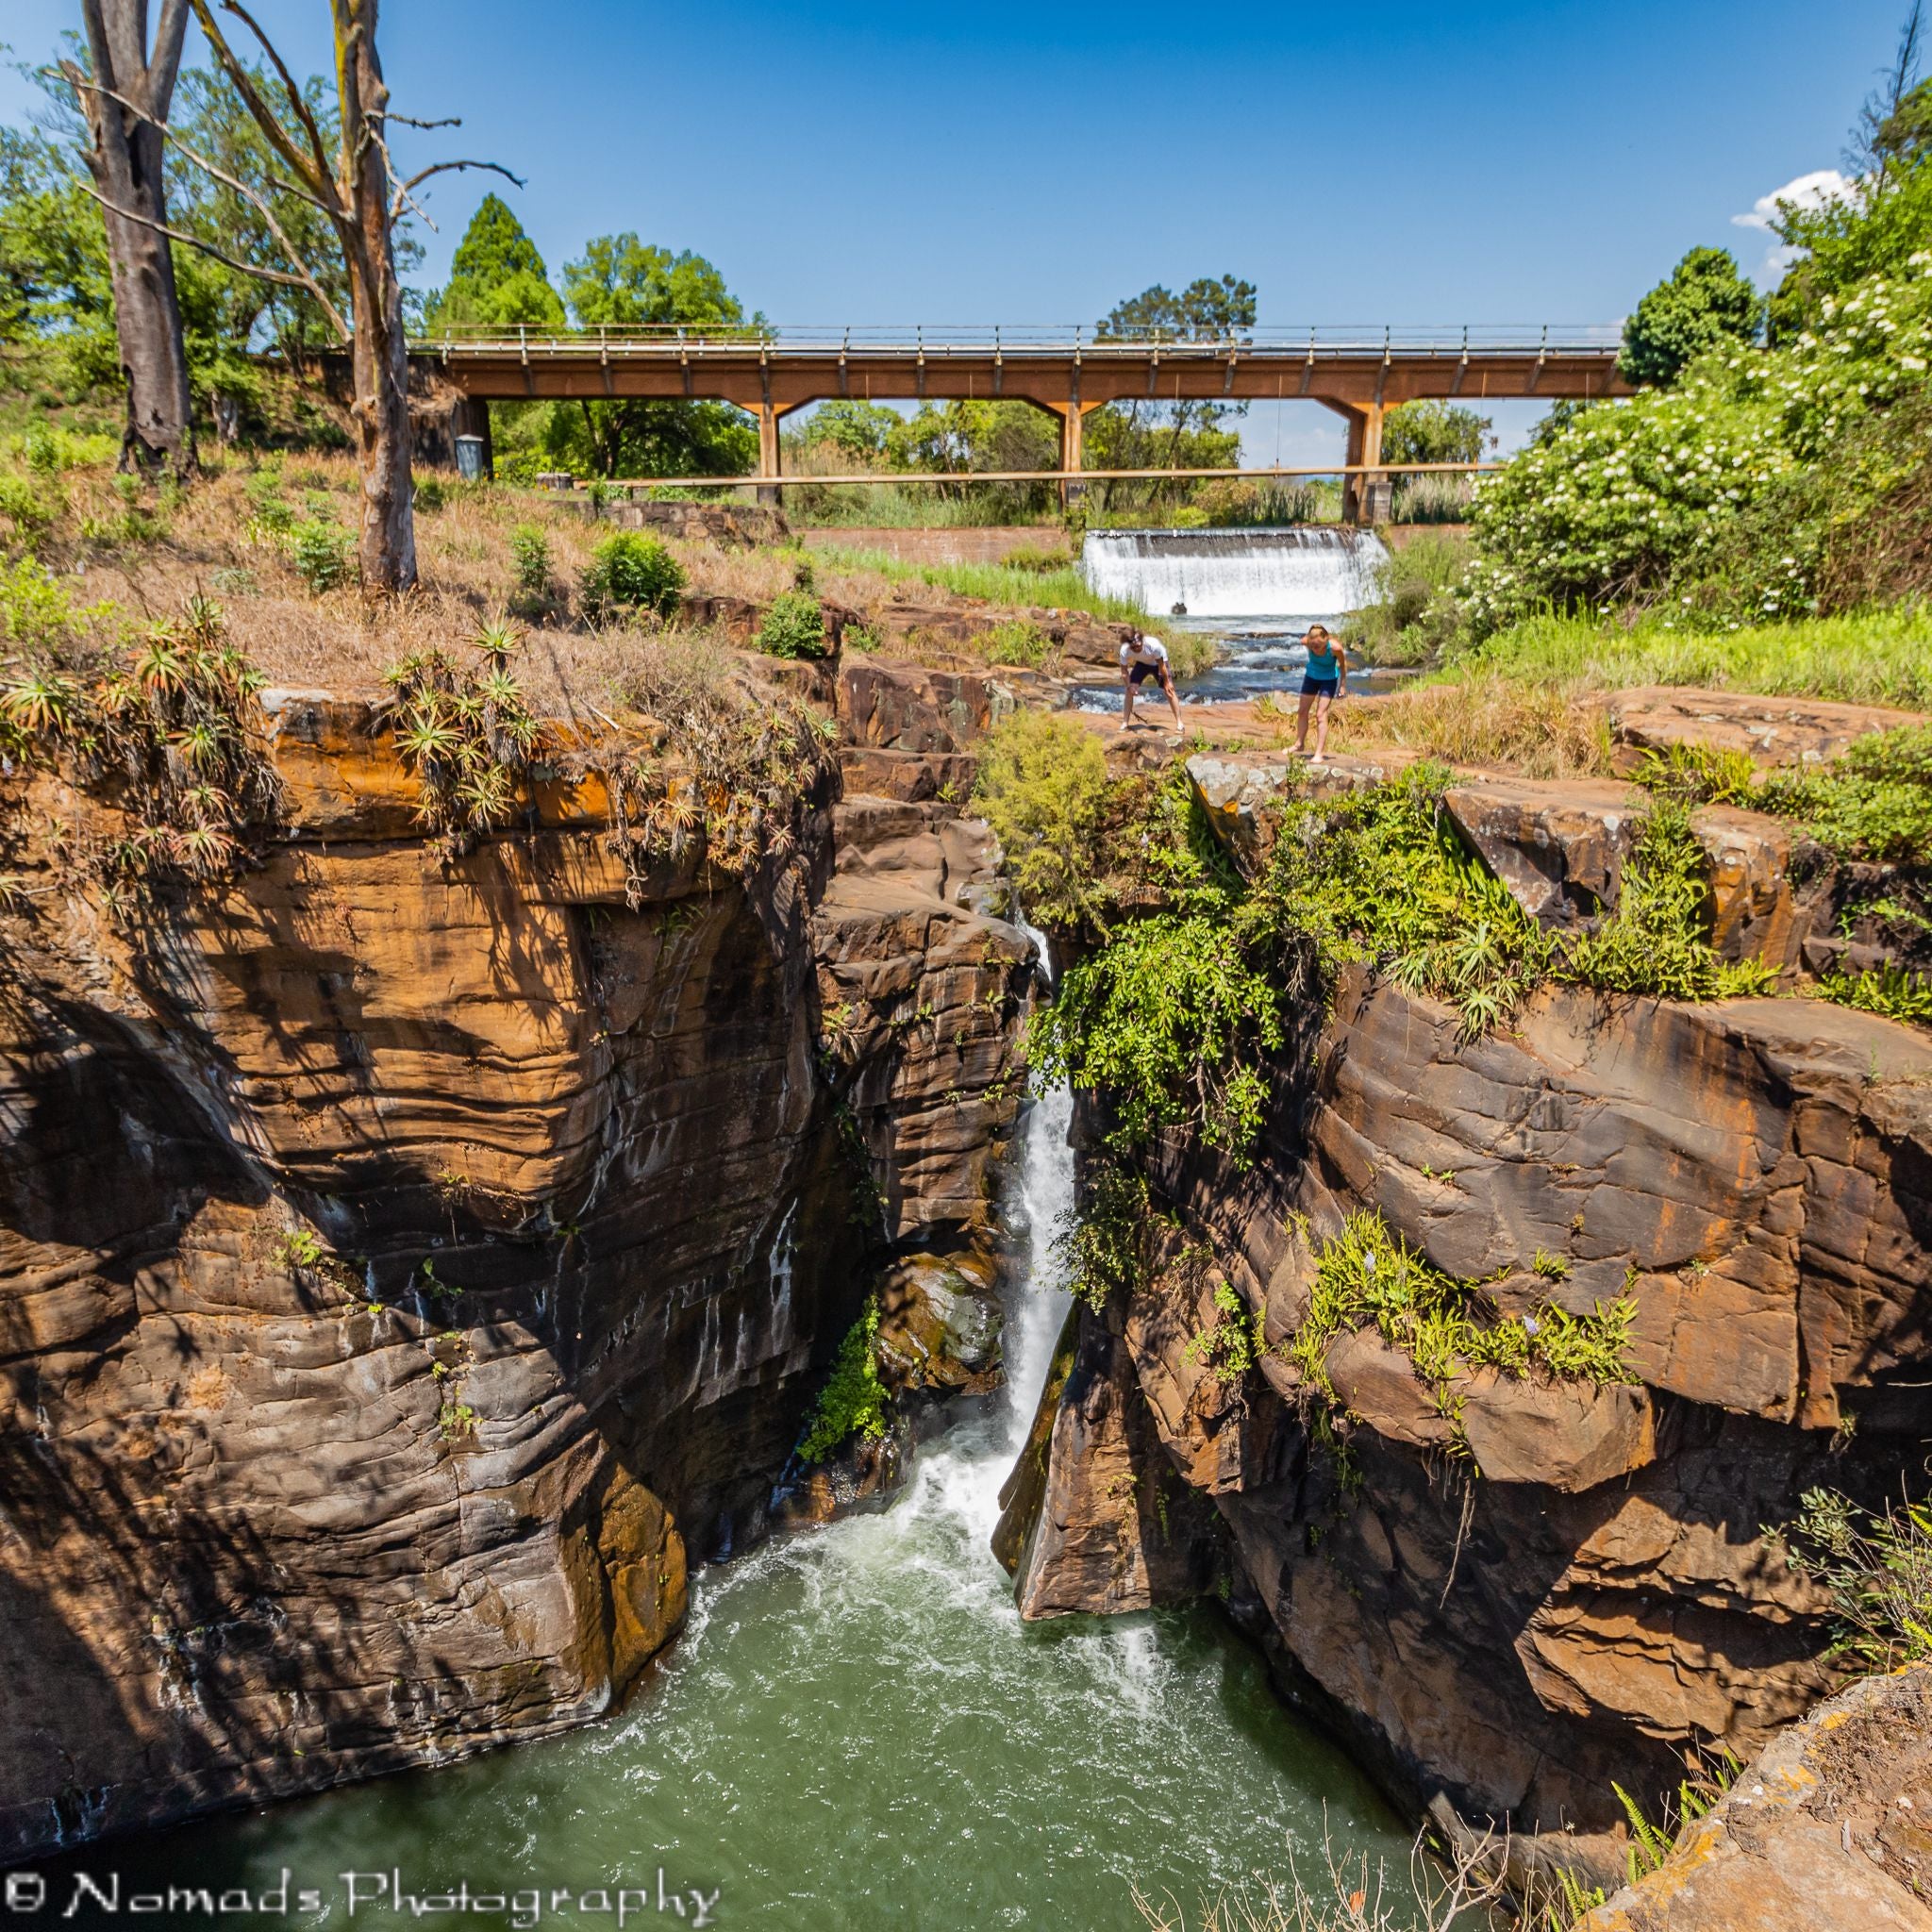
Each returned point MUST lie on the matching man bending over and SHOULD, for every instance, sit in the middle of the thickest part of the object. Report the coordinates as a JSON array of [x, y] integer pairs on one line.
[[1141, 657]]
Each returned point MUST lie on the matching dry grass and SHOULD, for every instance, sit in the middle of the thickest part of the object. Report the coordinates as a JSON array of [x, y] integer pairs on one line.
[[1533, 729], [149, 558]]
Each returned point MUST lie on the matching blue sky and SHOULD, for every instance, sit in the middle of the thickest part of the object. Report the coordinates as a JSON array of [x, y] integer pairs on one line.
[[848, 161]]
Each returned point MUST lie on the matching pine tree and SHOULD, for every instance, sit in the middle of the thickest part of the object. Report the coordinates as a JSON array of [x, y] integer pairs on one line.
[[497, 278]]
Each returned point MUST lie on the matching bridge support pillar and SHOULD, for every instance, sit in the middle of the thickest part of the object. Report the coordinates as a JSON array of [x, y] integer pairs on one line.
[[1365, 495], [1073, 417], [768, 458]]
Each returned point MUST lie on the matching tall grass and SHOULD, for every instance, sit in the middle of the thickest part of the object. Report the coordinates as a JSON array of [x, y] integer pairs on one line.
[[998, 583], [1876, 658], [1435, 499]]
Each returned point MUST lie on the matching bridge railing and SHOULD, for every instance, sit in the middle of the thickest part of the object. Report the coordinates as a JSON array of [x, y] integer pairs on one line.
[[920, 339]]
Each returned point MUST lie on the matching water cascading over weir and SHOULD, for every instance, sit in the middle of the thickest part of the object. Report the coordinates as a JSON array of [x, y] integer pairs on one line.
[[1300, 571]]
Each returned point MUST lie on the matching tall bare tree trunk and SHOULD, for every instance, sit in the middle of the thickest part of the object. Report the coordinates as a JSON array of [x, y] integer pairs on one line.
[[125, 158], [381, 348]]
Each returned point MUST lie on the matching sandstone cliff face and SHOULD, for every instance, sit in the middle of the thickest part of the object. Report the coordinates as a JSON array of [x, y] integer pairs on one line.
[[1512, 1598], [409, 1266]]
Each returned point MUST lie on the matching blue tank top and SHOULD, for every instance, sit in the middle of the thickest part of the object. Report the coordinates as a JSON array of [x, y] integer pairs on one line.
[[1322, 663]]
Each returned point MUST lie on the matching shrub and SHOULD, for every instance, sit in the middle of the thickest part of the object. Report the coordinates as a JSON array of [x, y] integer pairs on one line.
[[1166, 1020], [1015, 641], [852, 1402], [794, 627], [38, 611], [631, 571], [1042, 788], [1712, 485], [31, 508], [1878, 1571], [431, 492], [321, 554], [529, 550]]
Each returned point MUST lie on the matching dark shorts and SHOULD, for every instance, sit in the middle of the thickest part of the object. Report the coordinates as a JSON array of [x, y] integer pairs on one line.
[[1140, 673], [1320, 687]]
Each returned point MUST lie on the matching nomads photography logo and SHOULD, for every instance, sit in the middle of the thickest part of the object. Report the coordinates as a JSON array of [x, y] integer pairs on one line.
[[90, 1898]]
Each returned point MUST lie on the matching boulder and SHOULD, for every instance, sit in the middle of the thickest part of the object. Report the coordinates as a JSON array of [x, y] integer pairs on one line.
[[1113, 1528], [1829, 1829], [1769, 730], [1558, 845]]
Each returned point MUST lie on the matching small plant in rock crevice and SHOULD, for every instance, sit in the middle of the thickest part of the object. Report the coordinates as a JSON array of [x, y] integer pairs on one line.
[[1230, 1344], [1892, 990], [1876, 1568], [1365, 1276], [853, 1400]]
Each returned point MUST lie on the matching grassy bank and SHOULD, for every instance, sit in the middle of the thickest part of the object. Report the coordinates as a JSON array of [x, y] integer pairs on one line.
[[1055, 590], [1882, 658]]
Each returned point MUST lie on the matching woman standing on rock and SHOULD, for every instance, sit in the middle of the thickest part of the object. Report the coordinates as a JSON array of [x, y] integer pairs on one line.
[[1323, 680]]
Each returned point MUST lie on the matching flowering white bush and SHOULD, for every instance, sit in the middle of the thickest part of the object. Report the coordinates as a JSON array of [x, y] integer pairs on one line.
[[1637, 495]]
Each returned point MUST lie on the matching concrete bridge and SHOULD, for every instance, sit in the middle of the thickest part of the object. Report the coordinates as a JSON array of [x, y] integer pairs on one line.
[[1359, 372]]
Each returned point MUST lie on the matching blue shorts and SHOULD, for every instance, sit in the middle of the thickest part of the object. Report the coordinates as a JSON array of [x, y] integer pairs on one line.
[[1140, 673], [1320, 687]]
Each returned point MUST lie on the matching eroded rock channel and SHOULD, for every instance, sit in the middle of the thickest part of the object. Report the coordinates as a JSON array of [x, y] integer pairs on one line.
[[418, 1264]]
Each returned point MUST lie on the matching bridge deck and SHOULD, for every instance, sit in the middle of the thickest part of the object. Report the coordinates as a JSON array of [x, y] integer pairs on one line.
[[1353, 371]]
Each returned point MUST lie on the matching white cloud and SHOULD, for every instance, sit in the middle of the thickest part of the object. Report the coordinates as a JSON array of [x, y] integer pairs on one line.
[[1809, 190]]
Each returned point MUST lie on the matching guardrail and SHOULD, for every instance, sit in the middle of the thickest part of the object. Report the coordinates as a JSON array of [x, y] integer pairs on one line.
[[1346, 339]]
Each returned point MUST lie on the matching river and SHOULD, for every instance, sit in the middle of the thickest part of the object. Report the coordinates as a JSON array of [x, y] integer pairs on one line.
[[1254, 592], [855, 1731]]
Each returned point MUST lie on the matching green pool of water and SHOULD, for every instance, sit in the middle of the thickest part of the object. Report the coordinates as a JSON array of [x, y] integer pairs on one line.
[[855, 1731]]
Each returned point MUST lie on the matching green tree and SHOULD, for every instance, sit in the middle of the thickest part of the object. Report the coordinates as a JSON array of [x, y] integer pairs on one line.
[[1435, 432], [497, 278], [1178, 434], [1704, 301], [55, 293], [622, 282], [855, 429]]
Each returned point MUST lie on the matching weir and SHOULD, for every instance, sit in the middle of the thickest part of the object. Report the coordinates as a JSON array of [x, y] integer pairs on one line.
[[1298, 570]]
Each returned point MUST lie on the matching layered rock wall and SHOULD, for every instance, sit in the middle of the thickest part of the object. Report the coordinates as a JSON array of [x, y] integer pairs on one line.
[[409, 1266], [1511, 1593]]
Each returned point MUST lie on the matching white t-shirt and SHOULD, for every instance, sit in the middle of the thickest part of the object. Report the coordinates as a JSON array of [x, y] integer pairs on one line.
[[1143, 651]]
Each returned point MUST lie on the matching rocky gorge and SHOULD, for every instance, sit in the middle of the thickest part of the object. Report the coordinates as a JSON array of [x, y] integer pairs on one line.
[[414, 1263], [418, 1262]]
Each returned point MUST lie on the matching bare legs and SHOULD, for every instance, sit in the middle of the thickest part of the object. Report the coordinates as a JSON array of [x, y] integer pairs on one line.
[[1167, 690], [1318, 703]]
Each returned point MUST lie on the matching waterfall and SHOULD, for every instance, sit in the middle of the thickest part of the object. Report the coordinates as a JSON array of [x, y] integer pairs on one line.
[[1306, 570]]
